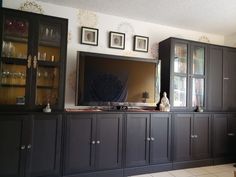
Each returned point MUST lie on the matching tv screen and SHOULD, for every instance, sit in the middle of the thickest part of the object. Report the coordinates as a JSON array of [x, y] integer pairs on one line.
[[104, 79]]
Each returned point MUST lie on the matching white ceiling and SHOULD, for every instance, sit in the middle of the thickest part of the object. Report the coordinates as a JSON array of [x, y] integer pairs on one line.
[[211, 16]]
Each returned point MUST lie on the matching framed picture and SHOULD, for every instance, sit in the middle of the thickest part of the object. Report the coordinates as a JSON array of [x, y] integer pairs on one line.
[[117, 40], [141, 43], [89, 36]]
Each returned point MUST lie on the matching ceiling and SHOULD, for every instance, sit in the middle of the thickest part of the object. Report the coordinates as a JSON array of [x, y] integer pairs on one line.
[[211, 16]]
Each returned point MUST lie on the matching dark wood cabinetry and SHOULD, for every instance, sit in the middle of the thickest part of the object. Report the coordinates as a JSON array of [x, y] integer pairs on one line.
[[147, 142], [92, 142], [214, 81], [229, 77], [160, 131], [137, 139], [32, 60], [221, 78], [30, 145], [191, 137], [13, 140], [183, 76], [224, 134]]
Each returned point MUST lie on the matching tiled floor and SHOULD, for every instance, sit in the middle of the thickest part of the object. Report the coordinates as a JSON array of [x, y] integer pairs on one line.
[[226, 170]]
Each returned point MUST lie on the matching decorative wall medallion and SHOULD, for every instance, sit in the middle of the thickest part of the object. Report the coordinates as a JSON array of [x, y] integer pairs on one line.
[[129, 53], [204, 39], [87, 18], [155, 50], [31, 6], [126, 28]]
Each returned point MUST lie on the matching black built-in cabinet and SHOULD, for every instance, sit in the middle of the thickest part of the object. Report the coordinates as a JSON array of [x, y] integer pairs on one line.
[[30, 145], [92, 142], [147, 143], [183, 75], [32, 60], [224, 137], [191, 139]]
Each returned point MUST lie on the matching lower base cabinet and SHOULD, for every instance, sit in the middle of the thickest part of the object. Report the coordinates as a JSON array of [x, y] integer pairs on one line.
[[191, 140], [224, 138], [30, 145], [92, 143], [112, 144], [147, 143]]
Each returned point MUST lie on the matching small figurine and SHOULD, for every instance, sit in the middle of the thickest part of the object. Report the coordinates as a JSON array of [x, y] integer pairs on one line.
[[164, 105], [198, 109], [47, 108]]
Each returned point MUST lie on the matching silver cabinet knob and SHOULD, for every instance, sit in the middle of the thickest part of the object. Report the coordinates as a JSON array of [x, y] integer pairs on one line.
[[22, 147], [93, 142], [192, 136], [195, 136], [231, 134], [152, 139], [148, 139], [98, 142], [29, 146]]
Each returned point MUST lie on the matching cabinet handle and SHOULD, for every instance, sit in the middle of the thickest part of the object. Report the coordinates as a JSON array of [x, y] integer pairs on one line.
[[29, 61], [195, 136], [29, 146], [148, 139], [93, 142], [22, 147], [35, 62], [231, 134], [192, 136], [226, 78], [98, 142], [152, 139]]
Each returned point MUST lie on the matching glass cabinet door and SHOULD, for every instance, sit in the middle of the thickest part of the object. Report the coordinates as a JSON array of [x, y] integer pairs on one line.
[[180, 60], [180, 75], [14, 61], [48, 68], [198, 75]]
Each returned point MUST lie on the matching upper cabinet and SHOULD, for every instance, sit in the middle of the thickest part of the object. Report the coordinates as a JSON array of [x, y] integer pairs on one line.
[[32, 60], [183, 72]]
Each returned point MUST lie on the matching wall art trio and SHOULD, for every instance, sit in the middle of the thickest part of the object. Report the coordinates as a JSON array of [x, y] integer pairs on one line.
[[89, 36]]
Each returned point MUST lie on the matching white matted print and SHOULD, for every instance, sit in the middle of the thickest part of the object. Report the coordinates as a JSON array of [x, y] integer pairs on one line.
[[89, 36], [141, 43], [117, 40]]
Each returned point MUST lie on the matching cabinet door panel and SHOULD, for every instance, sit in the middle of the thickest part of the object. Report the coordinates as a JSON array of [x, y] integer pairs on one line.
[[137, 146], [214, 79], [229, 75], [46, 145], [182, 134], [12, 158], [79, 150], [201, 142], [220, 138], [232, 134], [160, 138], [108, 138]]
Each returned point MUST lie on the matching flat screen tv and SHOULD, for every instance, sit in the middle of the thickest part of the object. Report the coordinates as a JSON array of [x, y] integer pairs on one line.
[[110, 79]]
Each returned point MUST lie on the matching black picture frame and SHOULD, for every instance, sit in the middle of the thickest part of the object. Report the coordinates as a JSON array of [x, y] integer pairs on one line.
[[141, 43], [116, 40], [89, 36]]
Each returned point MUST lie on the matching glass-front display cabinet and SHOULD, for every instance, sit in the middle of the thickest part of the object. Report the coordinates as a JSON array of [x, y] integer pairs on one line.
[[183, 73], [33, 60]]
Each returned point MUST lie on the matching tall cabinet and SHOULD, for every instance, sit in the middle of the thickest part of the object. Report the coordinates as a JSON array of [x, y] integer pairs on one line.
[[32, 60], [183, 72]]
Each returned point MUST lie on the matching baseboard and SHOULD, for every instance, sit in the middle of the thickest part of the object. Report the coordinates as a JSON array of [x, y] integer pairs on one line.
[[147, 169], [191, 164]]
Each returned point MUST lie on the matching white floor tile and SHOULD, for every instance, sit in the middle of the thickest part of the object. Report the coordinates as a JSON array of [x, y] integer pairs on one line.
[[181, 173], [162, 174]]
